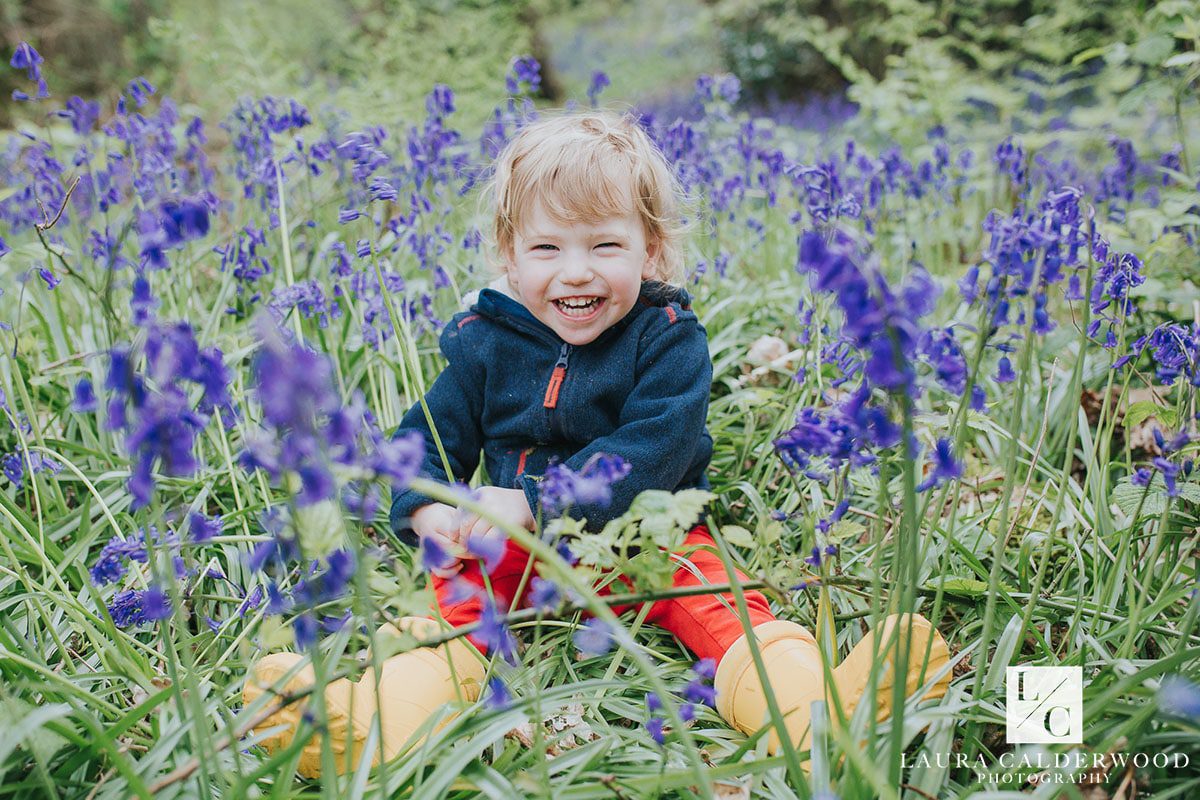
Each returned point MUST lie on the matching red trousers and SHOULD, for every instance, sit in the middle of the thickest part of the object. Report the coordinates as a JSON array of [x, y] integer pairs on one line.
[[705, 624]]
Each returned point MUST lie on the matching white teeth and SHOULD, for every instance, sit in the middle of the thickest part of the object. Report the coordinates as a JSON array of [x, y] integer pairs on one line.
[[577, 306]]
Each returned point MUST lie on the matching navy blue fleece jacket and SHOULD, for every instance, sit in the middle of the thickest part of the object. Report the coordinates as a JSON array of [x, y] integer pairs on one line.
[[520, 395]]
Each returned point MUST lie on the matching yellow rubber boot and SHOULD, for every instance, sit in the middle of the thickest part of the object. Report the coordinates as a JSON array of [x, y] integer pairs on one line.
[[793, 666], [412, 686]]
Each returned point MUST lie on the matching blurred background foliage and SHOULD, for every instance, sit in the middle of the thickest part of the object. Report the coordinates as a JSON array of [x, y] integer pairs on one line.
[[1018, 62]]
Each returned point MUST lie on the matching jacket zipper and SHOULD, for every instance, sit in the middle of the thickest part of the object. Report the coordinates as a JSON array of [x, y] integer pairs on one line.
[[556, 378]]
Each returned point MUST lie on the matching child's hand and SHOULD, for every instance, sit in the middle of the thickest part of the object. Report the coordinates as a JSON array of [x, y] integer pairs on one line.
[[505, 505], [440, 522]]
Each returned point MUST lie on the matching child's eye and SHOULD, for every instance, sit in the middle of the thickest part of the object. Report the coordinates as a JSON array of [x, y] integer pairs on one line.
[[546, 247], [609, 244]]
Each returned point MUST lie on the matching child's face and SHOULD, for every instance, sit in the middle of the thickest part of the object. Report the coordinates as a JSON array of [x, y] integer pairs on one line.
[[580, 278]]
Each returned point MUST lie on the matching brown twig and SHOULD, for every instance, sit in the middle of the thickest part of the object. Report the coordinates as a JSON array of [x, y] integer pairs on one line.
[[50, 223]]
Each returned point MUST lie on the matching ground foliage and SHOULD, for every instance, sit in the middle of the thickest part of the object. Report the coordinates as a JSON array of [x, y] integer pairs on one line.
[[956, 357]]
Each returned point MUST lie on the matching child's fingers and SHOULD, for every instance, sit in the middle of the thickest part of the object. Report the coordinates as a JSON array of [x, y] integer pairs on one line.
[[450, 571], [466, 523], [481, 528]]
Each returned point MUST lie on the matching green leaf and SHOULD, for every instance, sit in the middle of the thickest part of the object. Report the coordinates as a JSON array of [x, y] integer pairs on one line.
[[737, 536], [1089, 54], [664, 513], [1139, 412], [1128, 497], [965, 587], [1154, 49], [1182, 60], [593, 551]]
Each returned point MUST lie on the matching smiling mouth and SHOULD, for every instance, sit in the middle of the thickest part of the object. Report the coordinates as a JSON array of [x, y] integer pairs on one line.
[[578, 307]]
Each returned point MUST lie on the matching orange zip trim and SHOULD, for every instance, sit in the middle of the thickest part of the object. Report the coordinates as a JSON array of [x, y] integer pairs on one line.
[[556, 379], [521, 461]]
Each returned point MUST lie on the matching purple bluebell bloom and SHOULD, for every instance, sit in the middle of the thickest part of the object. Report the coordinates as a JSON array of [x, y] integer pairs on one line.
[[654, 727], [498, 697], [488, 546], [304, 628], [544, 595], [203, 528], [945, 466], [594, 637], [156, 606], [563, 488], [85, 399], [1179, 697], [597, 85], [434, 555], [126, 609], [494, 634]]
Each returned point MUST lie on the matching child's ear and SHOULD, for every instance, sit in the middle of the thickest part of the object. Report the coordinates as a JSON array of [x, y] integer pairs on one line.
[[653, 253], [509, 275]]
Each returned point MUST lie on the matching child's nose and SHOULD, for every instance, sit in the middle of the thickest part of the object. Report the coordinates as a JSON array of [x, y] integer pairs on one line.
[[576, 270]]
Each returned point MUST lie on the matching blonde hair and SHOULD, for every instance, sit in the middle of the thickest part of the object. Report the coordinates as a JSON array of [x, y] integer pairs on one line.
[[584, 166]]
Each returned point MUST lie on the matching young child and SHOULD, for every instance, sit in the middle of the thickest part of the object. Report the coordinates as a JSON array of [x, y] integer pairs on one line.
[[583, 346]]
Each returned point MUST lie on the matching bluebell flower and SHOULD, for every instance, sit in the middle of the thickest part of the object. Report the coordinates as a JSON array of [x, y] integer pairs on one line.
[[304, 628], [202, 528], [1010, 159], [183, 220], [142, 302], [15, 463], [440, 101], [251, 602], [1169, 471], [332, 623], [563, 548], [562, 487], [156, 605], [597, 85], [494, 633], [525, 73], [594, 637], [52, 280], [277, 602], [434, 555], [498, 696], [27, 58], [945, 466], [654, 727], [978, 398], [126, 609], [381, 190], [1179, 697], [490, 547], [1004, 371], [544, 594], [700, 690], [110, 566], [85, 398]]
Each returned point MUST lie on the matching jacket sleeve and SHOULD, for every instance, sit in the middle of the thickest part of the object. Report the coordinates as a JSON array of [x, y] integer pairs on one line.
[[455, 403], [661, 424]]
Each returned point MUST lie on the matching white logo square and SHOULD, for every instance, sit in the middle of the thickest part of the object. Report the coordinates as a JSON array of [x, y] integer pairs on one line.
[[1045, 705]]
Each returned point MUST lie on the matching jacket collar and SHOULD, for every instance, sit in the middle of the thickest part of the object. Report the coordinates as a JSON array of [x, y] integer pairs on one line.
[[503, 309]]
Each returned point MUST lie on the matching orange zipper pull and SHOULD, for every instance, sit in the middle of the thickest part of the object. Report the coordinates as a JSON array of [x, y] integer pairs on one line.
[[556, 378]]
